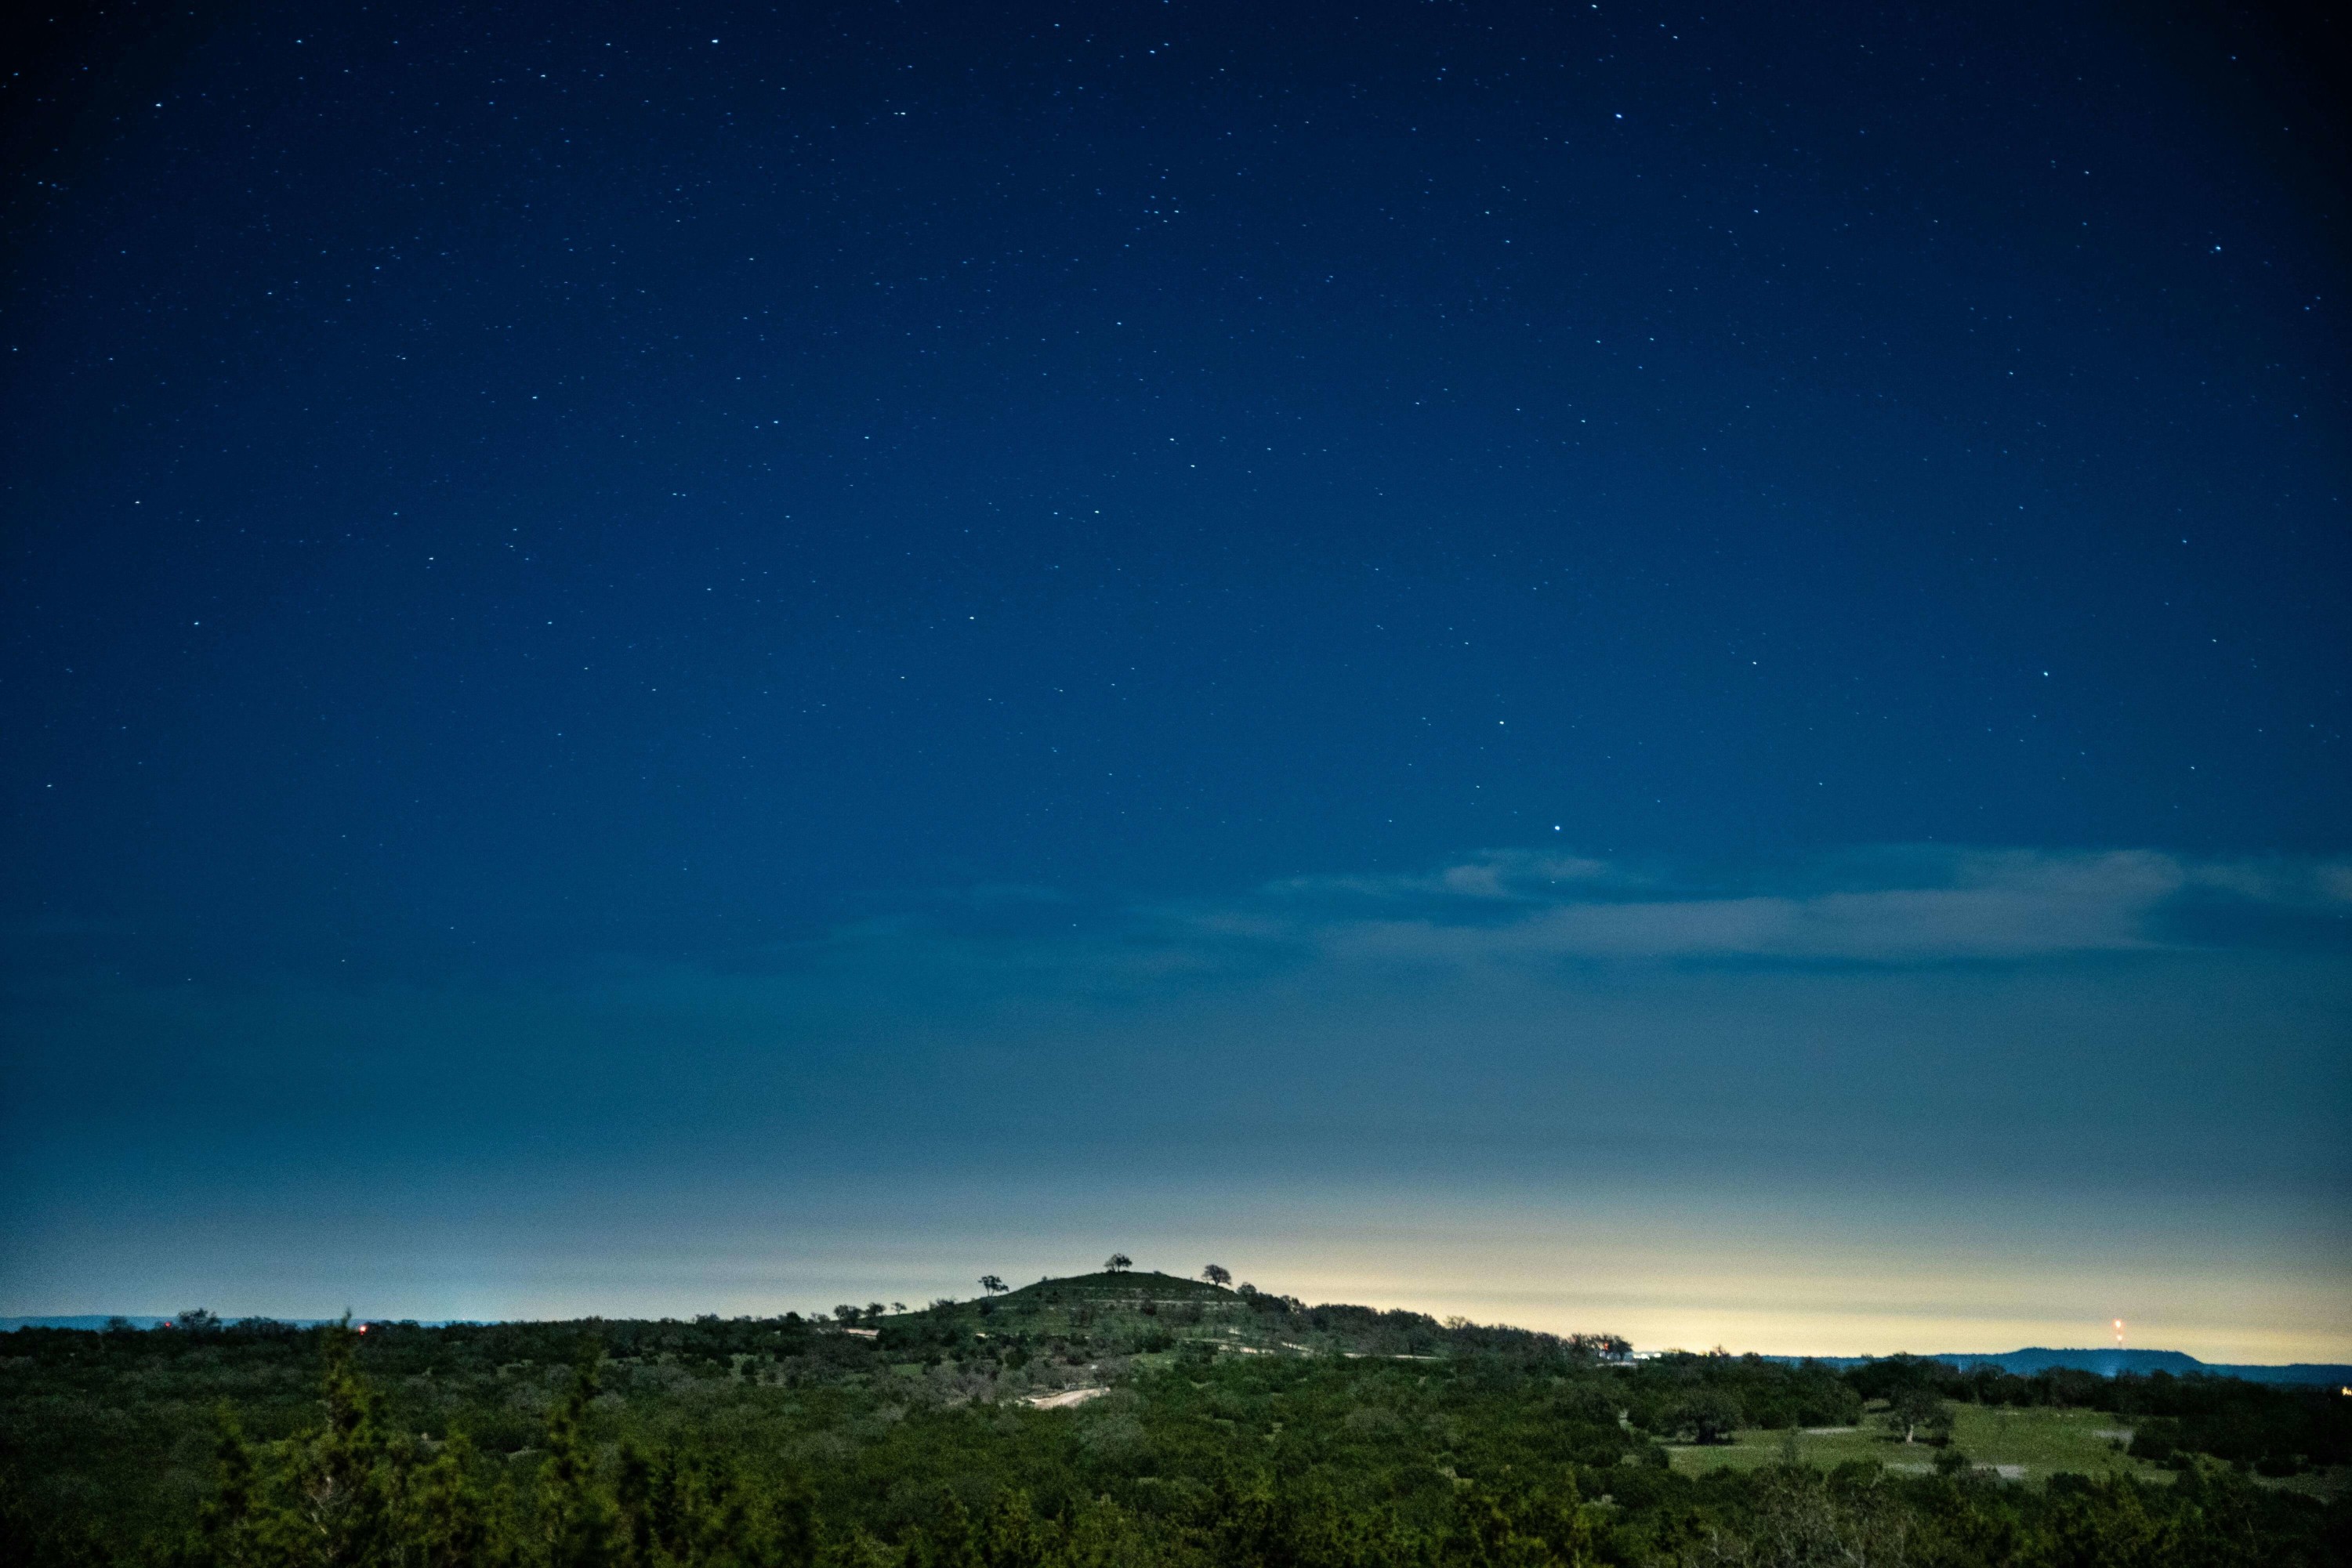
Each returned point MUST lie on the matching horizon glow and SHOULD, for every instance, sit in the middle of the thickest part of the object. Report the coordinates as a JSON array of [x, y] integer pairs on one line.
[[1607, 669]]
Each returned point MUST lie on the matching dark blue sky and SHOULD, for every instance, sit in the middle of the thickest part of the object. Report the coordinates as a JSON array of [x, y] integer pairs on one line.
[[580, 582]]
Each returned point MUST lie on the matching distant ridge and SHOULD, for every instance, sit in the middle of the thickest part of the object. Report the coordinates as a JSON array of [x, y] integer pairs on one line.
[[84, 1321], [97, 1321], [2108, 1363]]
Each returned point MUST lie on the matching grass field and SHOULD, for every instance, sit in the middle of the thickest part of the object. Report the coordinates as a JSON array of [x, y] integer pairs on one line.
[[2027, 1445]]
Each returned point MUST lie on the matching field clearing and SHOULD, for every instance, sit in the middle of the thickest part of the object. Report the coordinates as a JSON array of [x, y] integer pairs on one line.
[[2022, 1445], [2326, 1484]]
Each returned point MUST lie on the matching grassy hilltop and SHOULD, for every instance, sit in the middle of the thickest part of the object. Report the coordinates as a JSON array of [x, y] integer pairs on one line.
[[1126, 1285], [1146, 1314], [1134, 1299], [1129, 1418]]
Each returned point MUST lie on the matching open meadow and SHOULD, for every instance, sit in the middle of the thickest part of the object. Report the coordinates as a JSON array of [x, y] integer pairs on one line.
[[2027, 1445]]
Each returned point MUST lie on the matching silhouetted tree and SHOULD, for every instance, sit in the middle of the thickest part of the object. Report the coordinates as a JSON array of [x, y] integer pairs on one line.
[[1218, 1274], [1606, 1346], [1918, 1407], [1708, 1414], [1118, 1262], [992, 1284], [230, 1522], [576, 1514], [446, 1518]]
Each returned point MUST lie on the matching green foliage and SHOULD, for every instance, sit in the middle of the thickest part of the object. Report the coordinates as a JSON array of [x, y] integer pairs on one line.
[[780, 1443], [1916, 1412]]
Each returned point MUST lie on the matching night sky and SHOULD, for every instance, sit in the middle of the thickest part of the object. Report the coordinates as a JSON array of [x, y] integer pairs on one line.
[[1678, 671]]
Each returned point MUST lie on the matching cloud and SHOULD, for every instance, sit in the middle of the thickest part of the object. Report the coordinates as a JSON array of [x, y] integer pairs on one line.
[[1889, 905]]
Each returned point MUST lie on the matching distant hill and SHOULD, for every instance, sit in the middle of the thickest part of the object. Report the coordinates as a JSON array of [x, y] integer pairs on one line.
[[94, 1321], [1128, 1285], [84, 1321], [2111, 1363]]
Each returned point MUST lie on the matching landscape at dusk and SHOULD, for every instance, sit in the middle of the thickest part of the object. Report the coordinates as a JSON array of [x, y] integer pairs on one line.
[[1610, 696]]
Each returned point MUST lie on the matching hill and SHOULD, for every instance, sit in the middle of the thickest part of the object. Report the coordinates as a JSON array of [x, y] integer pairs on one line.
[[1141, 1313], [1151, 1318], [1126, 1285], [2108, 1362]]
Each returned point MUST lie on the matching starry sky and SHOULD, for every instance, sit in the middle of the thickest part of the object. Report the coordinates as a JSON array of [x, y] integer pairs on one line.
[[1612, 667]]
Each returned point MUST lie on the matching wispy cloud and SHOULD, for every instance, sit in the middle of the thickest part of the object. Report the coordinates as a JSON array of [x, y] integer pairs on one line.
[[1894, 905]]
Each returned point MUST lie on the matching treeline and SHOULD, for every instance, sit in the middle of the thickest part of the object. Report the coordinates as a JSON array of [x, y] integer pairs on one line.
[[791, 1444], [2279, 1431]]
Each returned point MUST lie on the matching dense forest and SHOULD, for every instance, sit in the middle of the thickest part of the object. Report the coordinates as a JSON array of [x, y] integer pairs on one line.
[[1113, 1419]]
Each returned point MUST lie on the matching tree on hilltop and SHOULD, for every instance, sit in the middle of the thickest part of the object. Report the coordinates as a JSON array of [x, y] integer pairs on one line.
[[1119, 1263], [992, 1284], [1217, 1274]]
